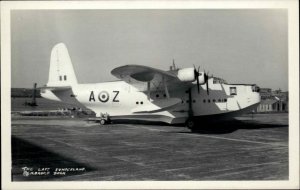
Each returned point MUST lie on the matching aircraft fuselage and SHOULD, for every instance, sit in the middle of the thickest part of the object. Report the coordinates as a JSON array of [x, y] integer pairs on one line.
[[122, 100]]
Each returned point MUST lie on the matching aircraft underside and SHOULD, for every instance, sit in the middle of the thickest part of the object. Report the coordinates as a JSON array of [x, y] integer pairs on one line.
[[181, 120]]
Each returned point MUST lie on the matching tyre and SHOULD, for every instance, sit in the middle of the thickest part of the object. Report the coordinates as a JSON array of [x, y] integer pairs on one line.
[[102, 122], [190, 123]]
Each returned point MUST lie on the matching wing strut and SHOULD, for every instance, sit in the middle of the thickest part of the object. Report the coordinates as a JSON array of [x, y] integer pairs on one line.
[[166, 88], [148, 90], [191, 113]]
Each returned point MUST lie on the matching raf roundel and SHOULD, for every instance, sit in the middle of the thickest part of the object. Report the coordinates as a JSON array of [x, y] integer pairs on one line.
[[103, 96]]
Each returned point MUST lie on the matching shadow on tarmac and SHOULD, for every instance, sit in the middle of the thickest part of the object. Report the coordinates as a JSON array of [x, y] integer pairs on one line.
[[140, 122], [231, 126], [210, 127], [26, 154]]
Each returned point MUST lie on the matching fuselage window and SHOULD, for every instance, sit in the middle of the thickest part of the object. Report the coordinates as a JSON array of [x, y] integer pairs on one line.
[[219, 100], [142, 102], [157, 95], [214, 100], [65, 77], [137, 102], [233, 91], [165, 95], [208, 100], [204, 101], [60, 78], [194, 101], [225, 100]]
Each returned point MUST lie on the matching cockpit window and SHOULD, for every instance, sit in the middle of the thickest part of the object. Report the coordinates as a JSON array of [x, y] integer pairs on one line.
[[233, 91]]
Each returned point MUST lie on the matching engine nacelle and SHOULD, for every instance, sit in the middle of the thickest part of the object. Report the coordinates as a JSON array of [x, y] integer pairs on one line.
[[186, 75]]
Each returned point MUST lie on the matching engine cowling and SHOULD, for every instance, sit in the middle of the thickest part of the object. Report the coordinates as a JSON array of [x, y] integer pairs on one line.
[[189, 75], [186, 75]]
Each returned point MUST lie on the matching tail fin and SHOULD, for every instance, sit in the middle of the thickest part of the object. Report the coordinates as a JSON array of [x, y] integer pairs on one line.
[[61, 72]]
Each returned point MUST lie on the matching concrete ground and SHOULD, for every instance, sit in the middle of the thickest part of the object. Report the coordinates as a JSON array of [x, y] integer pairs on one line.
[[249, 149]]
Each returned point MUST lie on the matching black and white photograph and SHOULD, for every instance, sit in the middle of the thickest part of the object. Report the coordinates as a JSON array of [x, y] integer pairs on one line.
[[179, 95]]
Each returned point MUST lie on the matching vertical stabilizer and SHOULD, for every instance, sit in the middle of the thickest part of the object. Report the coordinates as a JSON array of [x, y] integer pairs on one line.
[[61, 72]]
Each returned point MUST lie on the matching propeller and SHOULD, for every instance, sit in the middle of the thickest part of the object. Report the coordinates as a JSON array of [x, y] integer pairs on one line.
[[196, 73], [206, 81], [206, 77]]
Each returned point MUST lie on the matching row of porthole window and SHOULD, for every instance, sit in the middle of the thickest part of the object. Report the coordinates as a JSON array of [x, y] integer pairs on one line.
[[157, 95], [208, 100], [194, 101], [214, 100]]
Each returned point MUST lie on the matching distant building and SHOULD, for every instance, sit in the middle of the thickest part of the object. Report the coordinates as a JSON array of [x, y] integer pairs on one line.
[[272, 105], [283, 96], [273, 101], [265, 93]]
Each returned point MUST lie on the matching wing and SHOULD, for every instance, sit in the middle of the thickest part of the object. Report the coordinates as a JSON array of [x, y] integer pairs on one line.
[[138, 76]]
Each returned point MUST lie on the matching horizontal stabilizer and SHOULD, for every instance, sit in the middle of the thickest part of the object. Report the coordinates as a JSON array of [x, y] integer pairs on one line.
[[157, 105], [59, 93]]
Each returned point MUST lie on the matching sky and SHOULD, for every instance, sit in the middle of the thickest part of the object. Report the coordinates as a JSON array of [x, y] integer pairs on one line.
[[240, 46]]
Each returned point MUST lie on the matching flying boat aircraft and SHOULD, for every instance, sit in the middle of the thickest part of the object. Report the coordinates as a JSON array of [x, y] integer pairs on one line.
[[176, 96]]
